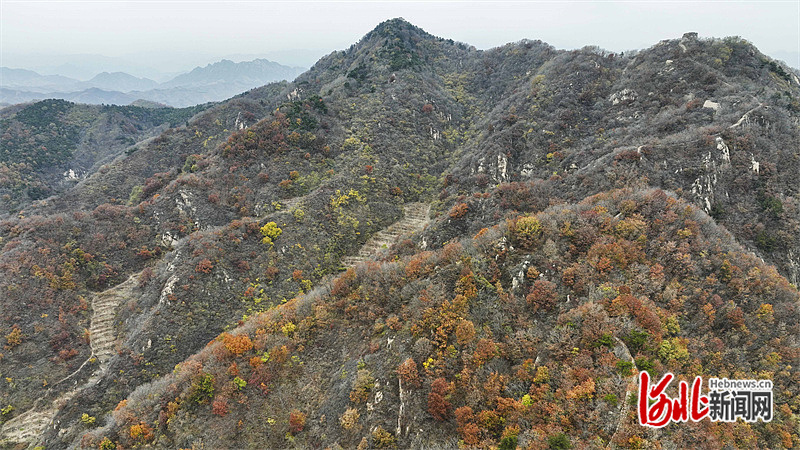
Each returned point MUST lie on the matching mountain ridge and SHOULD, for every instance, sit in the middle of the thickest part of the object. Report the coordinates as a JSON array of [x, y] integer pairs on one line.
[[214, 82], [113, 80]]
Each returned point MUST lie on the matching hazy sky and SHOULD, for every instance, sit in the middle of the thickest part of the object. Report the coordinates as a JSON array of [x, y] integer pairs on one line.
[[168, 35]]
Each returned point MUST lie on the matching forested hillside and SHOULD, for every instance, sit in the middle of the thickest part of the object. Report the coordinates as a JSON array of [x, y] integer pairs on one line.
[[49, 146], [591, 215]]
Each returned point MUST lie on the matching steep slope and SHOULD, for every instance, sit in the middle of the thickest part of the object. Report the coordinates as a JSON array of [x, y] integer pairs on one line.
[[415, 217], [714, 121], [29, 426], [48, 146], [525, 334], [102, 335], [259, 199]]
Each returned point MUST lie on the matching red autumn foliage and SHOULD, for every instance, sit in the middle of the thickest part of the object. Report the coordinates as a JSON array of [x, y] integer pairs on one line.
[[204, 266], [407, 372], [220, 406], [271, 272], [542, 295], [458, 210], [438, 405], [297, 421], [237, 344], [485, 350]]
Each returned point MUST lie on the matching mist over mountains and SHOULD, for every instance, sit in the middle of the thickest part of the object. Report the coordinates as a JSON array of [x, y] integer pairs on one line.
[[214, 82]]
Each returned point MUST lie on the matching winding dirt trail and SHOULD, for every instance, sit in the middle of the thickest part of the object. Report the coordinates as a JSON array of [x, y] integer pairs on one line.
[[631, 387]]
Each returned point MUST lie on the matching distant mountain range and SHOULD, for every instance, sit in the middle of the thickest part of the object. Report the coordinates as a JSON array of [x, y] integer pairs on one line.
[[213, 82]]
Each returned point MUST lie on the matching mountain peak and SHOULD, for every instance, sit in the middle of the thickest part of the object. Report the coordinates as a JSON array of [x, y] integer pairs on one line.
[[397, 28], [256, 72], [396, 42]]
